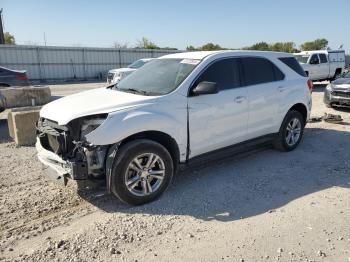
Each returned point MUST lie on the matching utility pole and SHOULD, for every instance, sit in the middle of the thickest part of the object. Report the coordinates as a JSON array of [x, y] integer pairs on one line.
[[45, 38], [2, 37]]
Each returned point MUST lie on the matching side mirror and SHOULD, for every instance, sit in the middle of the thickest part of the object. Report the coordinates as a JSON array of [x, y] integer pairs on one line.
[[205, 88]]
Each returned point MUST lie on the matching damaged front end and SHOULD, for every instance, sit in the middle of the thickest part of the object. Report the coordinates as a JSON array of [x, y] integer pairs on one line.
[[65, 152]]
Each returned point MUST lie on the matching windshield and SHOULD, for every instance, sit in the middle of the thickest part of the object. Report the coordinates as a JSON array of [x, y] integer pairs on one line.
[[137, 64], [346, 75], [158, 77], [302, 58]]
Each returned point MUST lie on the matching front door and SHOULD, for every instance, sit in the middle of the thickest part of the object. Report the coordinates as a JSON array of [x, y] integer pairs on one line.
[[218, 120], [315, 67]]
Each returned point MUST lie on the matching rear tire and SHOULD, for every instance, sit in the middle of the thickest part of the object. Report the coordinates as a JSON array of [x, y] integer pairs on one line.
[[291, 131], [142, 171]]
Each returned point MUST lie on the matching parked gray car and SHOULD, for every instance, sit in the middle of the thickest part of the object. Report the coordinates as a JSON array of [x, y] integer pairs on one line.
[[337, 93], [10, 77]]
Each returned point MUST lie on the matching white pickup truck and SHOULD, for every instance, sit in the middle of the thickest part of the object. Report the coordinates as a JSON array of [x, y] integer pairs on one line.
[[322, 64]]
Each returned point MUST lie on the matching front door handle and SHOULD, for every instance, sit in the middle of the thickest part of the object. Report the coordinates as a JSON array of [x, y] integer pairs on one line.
[[239, 99], [281, 88]]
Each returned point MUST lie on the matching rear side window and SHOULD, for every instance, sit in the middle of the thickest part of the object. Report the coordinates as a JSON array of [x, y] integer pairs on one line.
[[259, 70], [293, 64], [323, 58], [223, 72]]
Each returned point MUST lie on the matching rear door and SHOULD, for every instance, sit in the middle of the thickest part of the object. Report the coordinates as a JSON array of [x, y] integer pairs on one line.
[[218, 120], [265, 88]]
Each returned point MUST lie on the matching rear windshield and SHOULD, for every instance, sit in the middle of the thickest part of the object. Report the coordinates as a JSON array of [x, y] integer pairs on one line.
[[292, 63], [302, 58]]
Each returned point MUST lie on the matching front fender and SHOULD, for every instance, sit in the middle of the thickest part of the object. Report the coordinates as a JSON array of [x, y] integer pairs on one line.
[[122, 124]]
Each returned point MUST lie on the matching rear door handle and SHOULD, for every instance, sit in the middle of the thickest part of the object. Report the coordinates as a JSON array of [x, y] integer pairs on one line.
[[281, 88], [239, 99]]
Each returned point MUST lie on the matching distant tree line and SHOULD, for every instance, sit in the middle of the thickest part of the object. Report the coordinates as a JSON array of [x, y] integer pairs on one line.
[[289, 47]]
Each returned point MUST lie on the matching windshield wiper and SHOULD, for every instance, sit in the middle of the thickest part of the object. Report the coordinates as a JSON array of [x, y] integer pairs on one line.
[[135, 91]]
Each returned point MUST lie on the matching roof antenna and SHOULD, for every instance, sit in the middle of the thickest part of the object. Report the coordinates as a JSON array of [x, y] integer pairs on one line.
[[340, 47]]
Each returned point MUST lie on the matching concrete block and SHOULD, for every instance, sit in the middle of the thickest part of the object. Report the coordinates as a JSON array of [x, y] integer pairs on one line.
[[21, 123], [26, 96]]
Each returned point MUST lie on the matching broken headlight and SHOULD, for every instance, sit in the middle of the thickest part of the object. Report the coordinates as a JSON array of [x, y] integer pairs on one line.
[[90, 123]]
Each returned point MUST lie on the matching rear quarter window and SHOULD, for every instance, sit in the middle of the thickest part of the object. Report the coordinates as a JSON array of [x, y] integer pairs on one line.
[[292, 63], [258, 70]]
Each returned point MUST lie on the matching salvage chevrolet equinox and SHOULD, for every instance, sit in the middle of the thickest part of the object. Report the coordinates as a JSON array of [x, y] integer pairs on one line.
[[174, 110]]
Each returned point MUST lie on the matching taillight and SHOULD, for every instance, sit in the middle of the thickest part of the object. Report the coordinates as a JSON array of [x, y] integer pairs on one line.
[[22, 77], [310, 85]]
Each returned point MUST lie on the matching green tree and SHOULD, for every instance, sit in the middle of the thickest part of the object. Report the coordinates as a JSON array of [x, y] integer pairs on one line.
[[146, 44], [261, 46], [9, 39], [318, 44], [206, 47], [288, 47], [191, 48], [210, 47]]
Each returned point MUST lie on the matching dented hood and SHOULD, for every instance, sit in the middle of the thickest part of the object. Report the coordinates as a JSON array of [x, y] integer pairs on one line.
[[92, 102]]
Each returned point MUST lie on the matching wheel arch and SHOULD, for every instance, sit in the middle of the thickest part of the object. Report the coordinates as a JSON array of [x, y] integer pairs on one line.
[[301, 108], [160, 137]]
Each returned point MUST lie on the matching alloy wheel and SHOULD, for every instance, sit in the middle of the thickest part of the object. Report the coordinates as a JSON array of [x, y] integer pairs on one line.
[[293, 132], [145, 174]]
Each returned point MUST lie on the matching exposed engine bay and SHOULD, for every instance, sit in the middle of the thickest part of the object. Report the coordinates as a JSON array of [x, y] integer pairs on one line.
[[68, 142]]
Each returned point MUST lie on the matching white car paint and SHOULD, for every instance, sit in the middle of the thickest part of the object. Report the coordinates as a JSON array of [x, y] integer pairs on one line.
[[91, 102], [114, 76], [215, 121], [322, 70]]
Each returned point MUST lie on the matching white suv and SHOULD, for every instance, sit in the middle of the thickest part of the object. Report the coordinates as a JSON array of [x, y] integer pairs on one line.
[[174, 110]]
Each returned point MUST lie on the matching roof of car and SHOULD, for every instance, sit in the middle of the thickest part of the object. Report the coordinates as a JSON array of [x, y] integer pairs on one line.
[[146, 59], [202, 54]]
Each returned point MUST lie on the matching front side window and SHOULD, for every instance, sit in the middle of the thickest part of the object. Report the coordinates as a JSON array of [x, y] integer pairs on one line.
[[158, 77], [314, 60], [223, 72], [323, 58], [259, 70]]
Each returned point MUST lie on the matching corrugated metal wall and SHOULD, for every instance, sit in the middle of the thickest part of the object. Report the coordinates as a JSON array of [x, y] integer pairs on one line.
[[49, 62]]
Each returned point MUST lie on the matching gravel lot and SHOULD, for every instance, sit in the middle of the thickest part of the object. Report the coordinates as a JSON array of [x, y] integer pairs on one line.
[[261, 206]]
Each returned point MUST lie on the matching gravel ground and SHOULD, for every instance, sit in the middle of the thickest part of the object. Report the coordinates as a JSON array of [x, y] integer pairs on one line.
[[261, 206]]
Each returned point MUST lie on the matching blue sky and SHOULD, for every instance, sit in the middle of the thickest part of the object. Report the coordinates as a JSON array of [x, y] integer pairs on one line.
[[177, 23]]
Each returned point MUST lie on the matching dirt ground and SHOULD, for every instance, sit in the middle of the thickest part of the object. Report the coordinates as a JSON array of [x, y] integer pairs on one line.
[[261, 206]]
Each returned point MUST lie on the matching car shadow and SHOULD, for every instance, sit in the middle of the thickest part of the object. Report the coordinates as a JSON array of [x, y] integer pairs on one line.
[[4, 132], [246, 185], [319, 87]]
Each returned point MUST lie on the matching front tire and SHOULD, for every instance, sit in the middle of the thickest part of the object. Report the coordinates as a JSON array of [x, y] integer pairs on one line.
[[291, 131], [142, 171]]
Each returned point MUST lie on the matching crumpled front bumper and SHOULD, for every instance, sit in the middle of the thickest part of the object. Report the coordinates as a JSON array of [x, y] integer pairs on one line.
[[55, 167]]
